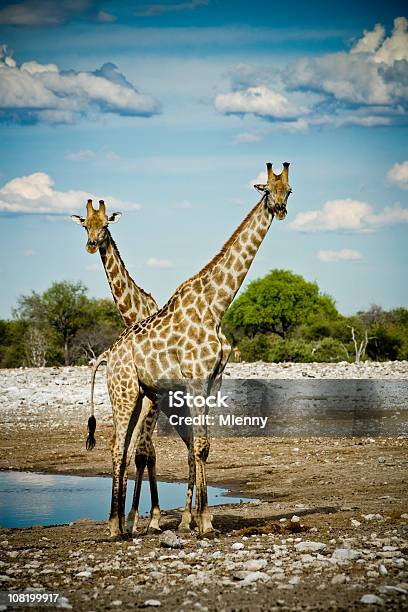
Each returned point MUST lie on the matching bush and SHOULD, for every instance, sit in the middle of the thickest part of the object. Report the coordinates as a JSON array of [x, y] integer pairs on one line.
[[329, 350], [255, 349], [290, 350]]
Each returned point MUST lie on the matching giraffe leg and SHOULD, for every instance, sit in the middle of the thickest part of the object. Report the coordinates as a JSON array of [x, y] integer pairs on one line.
[[185, 524], [203, 516], [154, 524], [127, 434], [133, 516], [120, 460]]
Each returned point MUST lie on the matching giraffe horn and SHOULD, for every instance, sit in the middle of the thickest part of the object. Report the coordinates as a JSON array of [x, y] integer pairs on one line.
[[285, 171], [102, 207], [89, 207], [271, 174]]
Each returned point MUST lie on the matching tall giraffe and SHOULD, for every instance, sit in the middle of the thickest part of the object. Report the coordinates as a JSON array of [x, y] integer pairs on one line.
[[183, 342], [134, 304]]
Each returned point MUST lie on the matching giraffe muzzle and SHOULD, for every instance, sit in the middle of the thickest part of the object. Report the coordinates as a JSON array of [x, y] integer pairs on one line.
[[91, 246], [280, 211]]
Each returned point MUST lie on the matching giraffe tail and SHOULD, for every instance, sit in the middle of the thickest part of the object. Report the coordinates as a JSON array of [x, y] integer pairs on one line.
[[90, 441]]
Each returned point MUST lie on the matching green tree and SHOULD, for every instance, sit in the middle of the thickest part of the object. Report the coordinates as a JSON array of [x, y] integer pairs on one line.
[[276, 304], [13, 343], [59, 312]]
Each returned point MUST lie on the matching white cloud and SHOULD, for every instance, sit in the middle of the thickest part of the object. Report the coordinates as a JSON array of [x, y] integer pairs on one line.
[[33, 92], [373, 72], [398, 174], [261, 101], [247, 137], [35, 193], [260, 179], [29, 253], [342, 255], [348, 215], [105, 17], [51, 12], [366, 85], [154, 262], [184, 205], [40, 12], [154, 10], [102, 154], [80, 155]]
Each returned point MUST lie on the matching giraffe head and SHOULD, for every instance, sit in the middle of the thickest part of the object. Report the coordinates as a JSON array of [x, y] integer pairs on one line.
[[277, 190], [96, 224]]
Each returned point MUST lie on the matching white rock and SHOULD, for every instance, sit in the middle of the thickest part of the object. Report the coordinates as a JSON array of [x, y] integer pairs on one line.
[[250, 577], [62, 602], [339, 579], [307, 558], [372, 599], [116, 602], [373, 517], [84, 574], [383, 570], [346, 554], [153, 603], [309, 546], [295, 519], [294, 580], [237, 546], [393, 589], [355, 523], [254, 565], [168, 539]]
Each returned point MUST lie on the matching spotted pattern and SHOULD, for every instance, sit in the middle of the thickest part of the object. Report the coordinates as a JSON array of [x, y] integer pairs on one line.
[[183, 341]]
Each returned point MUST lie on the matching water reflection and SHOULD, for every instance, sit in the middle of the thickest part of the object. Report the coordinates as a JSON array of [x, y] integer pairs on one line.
[[28, 499]]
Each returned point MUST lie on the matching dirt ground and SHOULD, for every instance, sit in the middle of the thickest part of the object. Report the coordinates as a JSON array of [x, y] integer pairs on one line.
[[326, 482]]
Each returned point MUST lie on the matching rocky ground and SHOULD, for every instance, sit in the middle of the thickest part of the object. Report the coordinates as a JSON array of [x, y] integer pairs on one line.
[[328, 529]]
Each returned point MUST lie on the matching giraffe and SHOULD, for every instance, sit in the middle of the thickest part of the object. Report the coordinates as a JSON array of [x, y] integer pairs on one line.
[[134, 304], [183, 342]]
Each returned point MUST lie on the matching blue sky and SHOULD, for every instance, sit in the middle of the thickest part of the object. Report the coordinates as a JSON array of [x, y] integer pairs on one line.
[[169, 111]]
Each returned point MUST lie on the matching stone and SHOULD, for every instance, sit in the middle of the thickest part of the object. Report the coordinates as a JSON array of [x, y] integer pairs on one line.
[[251, 577], [237, 546], [254, 565], [295, 519], [373, 517], [355, 523], [168, 539], [339, 579], [372, 599], [84, 574], [152, 603], [62, 602], [309, 546], [346, 554], [393, 589]]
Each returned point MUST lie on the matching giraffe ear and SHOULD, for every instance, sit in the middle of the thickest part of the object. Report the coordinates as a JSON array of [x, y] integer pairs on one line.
[[78, 219], [115, 217]]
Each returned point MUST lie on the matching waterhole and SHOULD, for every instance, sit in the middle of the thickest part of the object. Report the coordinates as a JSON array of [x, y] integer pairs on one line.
[[28, 499]]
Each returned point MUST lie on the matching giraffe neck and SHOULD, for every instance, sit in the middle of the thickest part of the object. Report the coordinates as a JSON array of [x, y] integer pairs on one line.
[[134, 304], [218, 282]]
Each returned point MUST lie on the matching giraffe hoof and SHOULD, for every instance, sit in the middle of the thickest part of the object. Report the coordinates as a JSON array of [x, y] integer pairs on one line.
[[184, 528], [153, 530], [210, 534], [116, 538]]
